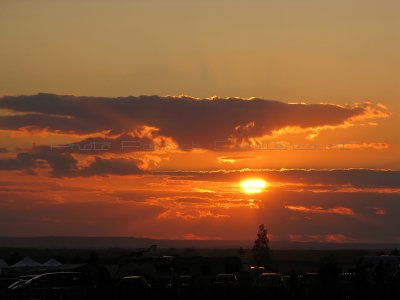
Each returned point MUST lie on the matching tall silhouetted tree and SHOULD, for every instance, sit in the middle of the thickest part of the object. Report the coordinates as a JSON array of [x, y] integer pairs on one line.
[[261, 253]]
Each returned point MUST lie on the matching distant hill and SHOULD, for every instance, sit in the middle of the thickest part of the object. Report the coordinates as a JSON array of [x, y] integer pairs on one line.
[[71, 242], [113, 242]]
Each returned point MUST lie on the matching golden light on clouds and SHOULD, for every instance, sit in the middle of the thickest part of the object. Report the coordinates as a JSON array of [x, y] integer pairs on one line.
[[253, 185], [164, 131]]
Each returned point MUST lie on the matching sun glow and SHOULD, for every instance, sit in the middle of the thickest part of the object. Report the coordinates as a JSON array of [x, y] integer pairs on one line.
[[253, 185]]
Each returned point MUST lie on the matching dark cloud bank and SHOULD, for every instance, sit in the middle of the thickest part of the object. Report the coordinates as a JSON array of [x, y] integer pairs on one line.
[[184, 119], [157, 121]]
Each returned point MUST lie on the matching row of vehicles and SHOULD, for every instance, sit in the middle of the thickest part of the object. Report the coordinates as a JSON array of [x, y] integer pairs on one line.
[[57, 285], [77, 285], [222, 285]]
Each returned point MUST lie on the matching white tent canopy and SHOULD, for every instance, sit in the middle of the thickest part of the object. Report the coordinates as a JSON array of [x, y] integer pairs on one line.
[[26, 262], [52, 263]]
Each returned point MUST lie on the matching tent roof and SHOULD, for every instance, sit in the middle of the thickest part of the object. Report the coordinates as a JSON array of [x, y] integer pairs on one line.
[[52, 263], [27, 262]]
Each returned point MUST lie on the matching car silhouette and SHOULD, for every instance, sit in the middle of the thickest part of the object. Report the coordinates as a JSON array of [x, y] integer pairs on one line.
[[58, 284]]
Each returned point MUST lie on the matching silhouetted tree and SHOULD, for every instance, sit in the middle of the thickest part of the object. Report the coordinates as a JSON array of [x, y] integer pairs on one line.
[[261, 252], [395, 252]]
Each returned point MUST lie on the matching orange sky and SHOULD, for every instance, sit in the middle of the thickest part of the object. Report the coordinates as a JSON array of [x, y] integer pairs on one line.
[[102, 162]]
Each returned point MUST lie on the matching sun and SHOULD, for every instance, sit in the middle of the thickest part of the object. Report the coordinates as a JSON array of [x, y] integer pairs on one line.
[[253, 185]]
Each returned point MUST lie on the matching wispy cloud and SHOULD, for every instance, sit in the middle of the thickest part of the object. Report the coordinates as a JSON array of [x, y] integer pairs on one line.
[[318, 209], [327, 238]]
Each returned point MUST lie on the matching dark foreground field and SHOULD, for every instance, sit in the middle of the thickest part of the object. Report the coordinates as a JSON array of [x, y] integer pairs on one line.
[[190, 273]]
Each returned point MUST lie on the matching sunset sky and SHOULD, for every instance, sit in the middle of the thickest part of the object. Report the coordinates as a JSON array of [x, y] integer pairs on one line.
[[186, 119]]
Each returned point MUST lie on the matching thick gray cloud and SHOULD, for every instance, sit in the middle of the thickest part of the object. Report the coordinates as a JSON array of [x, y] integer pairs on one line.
[[133, 142], [65, 165], [60, 163], [115, 166], [186, 120]]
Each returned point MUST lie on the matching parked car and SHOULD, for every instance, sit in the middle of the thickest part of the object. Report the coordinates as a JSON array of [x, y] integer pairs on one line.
[[269, 285], [19, 281], [133, 287], [185, 281], [182, 284], [225, 283], [347, 284], [310, 284], [5, 282], [59, 284]]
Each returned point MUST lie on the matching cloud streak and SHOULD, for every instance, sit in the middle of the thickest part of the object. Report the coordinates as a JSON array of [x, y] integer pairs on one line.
[[345, 211], [361, 178]]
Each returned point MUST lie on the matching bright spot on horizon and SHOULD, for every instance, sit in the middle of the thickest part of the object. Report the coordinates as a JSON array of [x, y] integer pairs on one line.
[[253, 185]]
